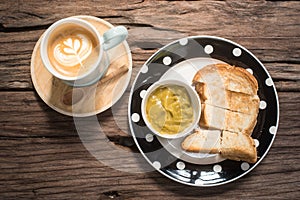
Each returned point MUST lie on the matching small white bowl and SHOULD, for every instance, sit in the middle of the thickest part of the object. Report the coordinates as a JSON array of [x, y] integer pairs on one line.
[[195, 101]]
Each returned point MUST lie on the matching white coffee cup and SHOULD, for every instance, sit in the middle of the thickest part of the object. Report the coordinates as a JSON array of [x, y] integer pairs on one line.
[[74, 51]]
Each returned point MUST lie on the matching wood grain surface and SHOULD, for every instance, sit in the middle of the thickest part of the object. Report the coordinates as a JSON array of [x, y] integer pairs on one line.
[[41, 154]]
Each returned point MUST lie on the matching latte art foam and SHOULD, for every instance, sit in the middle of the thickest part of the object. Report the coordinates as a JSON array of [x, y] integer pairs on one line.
[[72, 50]]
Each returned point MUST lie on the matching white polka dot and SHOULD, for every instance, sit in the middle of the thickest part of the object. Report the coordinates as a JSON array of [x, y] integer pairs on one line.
[[217, 168], [143, 93], [195, 173], [167, 60], [269, 82], [180, 165], [272, 129], [262, 105], [208, 49], [245, 166], [144, 69], [135, 117], [149, 137], [198, 182], [256, 142], [250, 70], [183, 41], [156, 165], [236, 52]]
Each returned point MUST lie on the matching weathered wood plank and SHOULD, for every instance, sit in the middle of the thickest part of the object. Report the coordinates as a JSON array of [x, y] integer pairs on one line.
[[218, 16], [51, 167], [24, 22], [17, 52]]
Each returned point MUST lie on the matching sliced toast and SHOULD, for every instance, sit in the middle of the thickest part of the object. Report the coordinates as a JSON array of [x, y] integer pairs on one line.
[[229, 77], [233, 146], [234, 101], [222, 119], [238, 146], [230, 106], [204, 141]]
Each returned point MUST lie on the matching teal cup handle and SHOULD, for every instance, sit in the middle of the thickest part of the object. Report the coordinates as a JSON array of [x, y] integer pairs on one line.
[[114, 36]]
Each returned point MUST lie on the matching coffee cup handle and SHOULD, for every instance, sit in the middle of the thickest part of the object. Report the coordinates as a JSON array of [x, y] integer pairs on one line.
[[114, 36]]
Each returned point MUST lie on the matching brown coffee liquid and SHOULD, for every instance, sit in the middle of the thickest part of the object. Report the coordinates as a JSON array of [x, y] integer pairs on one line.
[[72, 50]]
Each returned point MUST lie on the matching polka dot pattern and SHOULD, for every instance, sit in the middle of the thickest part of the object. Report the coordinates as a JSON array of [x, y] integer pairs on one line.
[[272, 130], [245, 166], [167, 60], [156, 165], [144, 69], [237, 52], [196, 49], [183, 41], [149, 137], [262, 105], [135, 117], [208, 49], [180, 165], [256, 142], [217, 168], [143, 93], [250, 70], [269, 82]]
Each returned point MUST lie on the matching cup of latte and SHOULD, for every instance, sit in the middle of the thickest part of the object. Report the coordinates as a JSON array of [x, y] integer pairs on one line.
[[75, 52]]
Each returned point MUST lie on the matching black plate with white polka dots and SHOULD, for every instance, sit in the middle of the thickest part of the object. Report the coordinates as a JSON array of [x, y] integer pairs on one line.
[[187, 49]]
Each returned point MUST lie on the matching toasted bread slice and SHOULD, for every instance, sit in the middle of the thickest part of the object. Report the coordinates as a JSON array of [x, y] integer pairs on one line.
[[225, 76], [234, 101], [233, 146], [238, 146], [204, 141], [222, 119]]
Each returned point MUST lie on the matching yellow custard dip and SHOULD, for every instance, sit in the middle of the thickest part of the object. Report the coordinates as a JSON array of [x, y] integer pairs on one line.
[[169, 109]]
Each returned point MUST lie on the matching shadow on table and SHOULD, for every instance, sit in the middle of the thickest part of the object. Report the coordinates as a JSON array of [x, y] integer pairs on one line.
[[62, 126]]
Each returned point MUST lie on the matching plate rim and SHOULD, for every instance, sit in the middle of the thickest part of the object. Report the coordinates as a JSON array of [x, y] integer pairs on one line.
[[277, 106]]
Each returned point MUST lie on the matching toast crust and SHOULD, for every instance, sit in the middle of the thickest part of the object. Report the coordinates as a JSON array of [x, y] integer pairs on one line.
[[203, 141], [228, 77]]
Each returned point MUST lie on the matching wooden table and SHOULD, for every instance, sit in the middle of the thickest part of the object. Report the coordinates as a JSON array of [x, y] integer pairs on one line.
[[41, 154]]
